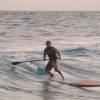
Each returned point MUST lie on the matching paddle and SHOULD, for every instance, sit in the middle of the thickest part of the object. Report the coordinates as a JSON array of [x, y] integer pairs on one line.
[[15, 63]]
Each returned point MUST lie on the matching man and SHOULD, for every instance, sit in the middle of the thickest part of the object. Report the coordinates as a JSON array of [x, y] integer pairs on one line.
[[53, 55]]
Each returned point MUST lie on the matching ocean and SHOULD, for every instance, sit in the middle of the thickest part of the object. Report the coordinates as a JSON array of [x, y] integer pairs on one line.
[[76, 34]]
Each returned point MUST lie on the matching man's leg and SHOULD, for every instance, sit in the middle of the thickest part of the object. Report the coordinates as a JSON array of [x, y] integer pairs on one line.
[[48, 69], [60, 74], [55, 65]]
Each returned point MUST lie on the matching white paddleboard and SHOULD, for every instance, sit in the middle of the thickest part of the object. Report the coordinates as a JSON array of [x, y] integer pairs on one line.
[[78, 83], [86, 83]]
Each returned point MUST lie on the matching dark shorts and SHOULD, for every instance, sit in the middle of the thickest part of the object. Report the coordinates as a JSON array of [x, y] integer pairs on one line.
[[52, 64]]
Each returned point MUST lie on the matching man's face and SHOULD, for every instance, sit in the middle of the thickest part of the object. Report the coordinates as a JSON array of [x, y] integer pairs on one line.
[[48, 44]]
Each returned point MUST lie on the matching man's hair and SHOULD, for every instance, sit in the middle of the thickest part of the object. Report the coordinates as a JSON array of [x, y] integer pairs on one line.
[[48, 42]]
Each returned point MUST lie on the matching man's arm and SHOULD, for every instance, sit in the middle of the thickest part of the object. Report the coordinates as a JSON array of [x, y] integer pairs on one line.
[[44, 55], [59, 56]]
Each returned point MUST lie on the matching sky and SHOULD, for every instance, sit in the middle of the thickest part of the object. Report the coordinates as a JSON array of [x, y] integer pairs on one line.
[[44, 5]]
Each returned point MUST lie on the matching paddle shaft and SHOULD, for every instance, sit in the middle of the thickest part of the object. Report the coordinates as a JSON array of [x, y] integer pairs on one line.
[[15, 63]]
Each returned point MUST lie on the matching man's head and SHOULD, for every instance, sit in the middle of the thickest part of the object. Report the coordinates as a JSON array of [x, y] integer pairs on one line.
[[48, 43]]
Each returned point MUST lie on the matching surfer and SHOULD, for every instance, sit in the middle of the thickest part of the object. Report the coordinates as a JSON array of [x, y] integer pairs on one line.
[[53, 55]]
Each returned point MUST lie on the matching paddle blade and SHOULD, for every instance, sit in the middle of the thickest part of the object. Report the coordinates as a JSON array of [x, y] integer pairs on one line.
[[15, 63]]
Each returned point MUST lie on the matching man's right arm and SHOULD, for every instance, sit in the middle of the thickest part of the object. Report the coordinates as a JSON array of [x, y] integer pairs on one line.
[[44, 54]]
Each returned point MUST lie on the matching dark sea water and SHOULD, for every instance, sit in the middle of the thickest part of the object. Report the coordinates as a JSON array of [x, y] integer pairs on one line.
[[22, 37]]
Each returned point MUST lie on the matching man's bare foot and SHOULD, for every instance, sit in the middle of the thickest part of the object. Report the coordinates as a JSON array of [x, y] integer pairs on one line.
[[62, 77], [51, 76]]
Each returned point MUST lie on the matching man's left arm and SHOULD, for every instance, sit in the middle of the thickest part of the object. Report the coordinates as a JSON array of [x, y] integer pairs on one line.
[[59, 56]]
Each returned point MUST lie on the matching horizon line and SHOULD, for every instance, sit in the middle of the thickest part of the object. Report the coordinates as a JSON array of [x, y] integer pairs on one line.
[[51, 10]]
